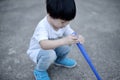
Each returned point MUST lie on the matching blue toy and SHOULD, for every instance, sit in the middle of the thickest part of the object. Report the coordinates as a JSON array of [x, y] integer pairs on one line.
[[84, 53]]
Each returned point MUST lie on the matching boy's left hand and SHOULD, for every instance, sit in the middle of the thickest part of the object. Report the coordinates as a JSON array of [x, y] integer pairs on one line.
[[81, 39]]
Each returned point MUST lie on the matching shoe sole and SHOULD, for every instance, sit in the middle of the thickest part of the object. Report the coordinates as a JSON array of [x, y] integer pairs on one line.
[[65, 66]]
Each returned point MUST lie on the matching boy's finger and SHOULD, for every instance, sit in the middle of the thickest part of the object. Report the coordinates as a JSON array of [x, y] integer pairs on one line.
[[74, 37]]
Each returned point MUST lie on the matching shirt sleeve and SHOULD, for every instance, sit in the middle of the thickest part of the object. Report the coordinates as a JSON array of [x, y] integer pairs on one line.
[[41, 33], [68, 30]]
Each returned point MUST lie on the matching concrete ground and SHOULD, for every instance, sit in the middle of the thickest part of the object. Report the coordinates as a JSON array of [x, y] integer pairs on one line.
[[97, 20]]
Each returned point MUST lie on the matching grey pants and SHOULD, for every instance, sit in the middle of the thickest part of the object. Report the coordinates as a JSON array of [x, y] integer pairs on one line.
[[47, 57]]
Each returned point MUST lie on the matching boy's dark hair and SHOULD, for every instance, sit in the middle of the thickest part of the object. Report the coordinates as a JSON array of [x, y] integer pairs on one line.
[[61, 9]]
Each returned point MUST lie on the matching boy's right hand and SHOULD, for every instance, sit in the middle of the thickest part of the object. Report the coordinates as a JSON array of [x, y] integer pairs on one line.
[[71, 39]]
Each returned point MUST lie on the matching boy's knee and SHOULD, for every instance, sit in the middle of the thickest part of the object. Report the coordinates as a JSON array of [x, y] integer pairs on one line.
[[47, 56], [52, 57], [63, 50]]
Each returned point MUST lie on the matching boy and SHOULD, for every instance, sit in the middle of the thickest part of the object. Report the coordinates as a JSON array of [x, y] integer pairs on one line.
[[52, 38]]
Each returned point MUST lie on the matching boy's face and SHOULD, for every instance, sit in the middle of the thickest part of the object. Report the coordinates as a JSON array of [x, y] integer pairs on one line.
[[58, 23]]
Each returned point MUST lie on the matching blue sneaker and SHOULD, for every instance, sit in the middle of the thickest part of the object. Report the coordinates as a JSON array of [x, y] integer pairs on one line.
[[66, 62], [41, 75]]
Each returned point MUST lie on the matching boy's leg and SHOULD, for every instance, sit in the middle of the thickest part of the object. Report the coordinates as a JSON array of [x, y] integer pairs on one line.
[[62, 51], [44, 60], [61, 60]]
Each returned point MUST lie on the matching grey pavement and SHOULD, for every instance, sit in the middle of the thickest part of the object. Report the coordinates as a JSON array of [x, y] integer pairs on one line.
[[97, 20]]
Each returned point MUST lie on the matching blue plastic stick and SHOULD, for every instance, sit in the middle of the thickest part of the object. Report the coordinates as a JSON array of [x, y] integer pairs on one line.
[[84, 53]]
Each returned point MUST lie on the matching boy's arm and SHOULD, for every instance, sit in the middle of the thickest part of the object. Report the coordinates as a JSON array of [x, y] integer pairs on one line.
[[51, 44]]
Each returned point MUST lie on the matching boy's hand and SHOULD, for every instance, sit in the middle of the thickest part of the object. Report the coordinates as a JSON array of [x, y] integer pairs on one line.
[[81, 39], [71, 39]]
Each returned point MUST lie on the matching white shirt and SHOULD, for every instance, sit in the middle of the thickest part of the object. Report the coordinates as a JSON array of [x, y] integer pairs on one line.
[[45, 31]]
